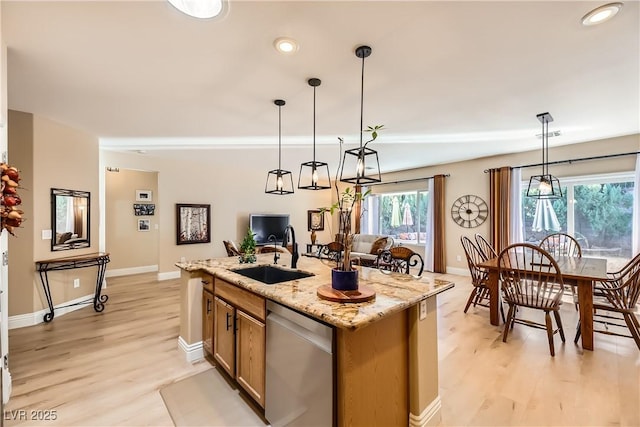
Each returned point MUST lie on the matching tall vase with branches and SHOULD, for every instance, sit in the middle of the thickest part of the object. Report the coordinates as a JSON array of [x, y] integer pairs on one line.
[[347, 200]]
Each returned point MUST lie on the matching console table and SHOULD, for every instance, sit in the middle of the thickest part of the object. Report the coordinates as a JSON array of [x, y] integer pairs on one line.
[[99, 259]]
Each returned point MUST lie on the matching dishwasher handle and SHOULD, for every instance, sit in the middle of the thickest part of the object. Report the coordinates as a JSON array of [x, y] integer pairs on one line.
[[323, 341]]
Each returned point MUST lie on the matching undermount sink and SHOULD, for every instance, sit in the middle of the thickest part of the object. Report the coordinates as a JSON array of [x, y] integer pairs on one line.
[[271, 275]]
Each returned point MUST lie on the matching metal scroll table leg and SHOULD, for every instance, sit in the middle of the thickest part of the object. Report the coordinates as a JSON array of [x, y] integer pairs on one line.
[[99, 300], [48, 317]]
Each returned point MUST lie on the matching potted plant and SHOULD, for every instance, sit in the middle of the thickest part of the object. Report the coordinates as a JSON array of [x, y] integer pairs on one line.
[[248, 247], [343, 276]]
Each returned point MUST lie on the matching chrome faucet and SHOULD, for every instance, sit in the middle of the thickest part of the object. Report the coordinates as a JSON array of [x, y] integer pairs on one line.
[[294, 254], [276, 255]]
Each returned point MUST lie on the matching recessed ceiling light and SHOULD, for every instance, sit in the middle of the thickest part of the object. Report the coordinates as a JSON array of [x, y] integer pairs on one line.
[[601, 14], [198, 8], [285, 45]]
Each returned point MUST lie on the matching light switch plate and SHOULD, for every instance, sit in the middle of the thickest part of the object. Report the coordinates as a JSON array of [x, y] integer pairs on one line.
[[423, 309], [46, 234]]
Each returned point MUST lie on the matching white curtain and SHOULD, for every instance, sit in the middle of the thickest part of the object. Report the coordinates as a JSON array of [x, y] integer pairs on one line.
[[368, 219], [635, 231], [429, 243], [516, 234]]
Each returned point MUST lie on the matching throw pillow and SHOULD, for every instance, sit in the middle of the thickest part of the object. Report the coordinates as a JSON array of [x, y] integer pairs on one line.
[[378, 245]]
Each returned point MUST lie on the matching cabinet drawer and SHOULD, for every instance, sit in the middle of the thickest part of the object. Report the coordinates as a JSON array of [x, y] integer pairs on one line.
[[241, 298], [207, 282]]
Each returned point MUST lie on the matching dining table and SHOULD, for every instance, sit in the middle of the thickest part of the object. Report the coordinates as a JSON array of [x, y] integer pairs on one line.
[[581, 272]]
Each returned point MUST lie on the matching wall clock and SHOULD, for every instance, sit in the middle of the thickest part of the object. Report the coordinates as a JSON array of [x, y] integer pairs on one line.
[[469, 211]]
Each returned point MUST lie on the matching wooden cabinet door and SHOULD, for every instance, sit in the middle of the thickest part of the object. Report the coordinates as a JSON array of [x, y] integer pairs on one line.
[[250, 355], [224, 345], [207, 322]]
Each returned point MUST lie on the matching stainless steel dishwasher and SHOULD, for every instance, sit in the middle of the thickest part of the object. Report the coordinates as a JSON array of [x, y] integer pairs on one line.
[[299, 374]]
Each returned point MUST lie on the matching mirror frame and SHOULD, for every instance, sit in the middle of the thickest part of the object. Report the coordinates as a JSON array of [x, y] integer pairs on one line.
[[85, 243]]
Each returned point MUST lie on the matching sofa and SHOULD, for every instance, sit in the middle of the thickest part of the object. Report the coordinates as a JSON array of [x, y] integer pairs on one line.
[[367, 246]]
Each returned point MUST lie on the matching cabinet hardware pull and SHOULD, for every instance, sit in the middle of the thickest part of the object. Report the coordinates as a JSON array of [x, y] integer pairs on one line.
[[228, 317], [205, 282], [208, 306]]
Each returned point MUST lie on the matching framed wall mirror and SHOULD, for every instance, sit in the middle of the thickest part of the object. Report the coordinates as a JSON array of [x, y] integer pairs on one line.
[[70, 213]]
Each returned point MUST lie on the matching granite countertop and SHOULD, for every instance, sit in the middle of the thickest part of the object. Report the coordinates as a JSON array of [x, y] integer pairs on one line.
[[394, 292]]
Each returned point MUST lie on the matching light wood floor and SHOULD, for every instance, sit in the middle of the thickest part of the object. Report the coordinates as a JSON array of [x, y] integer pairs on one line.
[[106, 369]]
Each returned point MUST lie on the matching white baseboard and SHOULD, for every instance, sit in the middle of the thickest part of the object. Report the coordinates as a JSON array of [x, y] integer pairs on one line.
[[458, 271], [30, 319], [429, 417], [169, 275], [192, 352], [131, 270]]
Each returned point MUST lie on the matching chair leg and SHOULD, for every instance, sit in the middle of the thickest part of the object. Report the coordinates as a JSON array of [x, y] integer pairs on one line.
[[502, 311], [634, 327], [472, 296], [578, 332], [575, 297], [509, 320], [547, 320], [559, 323]]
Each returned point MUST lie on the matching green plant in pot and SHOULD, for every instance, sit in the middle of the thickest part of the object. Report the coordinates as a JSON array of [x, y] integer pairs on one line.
[[343, 276], [248, 247]]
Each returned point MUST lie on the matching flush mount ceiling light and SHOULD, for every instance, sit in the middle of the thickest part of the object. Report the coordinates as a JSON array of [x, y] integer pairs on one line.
[[314, 175], [286, 45], [601, 14], [545, 186], [198, 8], [279, 181], [362, 158]]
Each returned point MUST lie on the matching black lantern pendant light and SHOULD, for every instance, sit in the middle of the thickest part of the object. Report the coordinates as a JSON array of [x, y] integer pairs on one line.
[[545, 186], [279, 181], [314, 175], [359, 160]]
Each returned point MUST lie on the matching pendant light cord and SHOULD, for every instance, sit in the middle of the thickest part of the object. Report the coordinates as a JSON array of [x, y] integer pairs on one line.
[[361, 100], [314, 126], [279, 137]]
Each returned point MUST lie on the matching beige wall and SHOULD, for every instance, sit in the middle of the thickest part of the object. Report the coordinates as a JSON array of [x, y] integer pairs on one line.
[[62, 157], [232, 183], [128, 247], [21, 277], [469, 178]]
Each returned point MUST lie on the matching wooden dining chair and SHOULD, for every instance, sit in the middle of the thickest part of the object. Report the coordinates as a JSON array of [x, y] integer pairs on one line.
[[562, 244], [531, 278], [486, 249], [479, 277], [400, 259], [332, 251], [231, 249], [615, 297]]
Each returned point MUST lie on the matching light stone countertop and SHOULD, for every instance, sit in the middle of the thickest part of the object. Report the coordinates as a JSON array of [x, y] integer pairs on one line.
[[394, 292]]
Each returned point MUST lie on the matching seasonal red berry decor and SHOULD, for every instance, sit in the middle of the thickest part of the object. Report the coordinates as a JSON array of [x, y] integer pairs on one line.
[[10, 215]]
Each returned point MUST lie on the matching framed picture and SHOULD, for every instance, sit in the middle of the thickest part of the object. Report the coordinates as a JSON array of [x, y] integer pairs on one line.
[[142, 209], [315, 220], [192, 224], [144, 225], [144, 196]]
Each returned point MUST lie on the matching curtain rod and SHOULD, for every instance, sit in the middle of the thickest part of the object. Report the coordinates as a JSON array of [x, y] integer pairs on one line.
[[405, 180], [582, 159]]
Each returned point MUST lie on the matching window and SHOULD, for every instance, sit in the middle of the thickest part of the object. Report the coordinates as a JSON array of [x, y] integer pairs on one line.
[[401, 215], [597, 210]]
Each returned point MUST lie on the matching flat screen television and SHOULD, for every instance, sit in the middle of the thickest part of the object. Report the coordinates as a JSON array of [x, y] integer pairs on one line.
[[264, 225]]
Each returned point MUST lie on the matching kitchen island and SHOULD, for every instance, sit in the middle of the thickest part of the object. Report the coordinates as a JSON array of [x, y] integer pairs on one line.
[[385, 350]]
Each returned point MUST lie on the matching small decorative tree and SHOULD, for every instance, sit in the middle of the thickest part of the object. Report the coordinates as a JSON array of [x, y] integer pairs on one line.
[[248, 247]]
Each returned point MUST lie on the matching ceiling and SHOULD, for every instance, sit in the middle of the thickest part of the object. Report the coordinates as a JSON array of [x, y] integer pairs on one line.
[[450, 80]]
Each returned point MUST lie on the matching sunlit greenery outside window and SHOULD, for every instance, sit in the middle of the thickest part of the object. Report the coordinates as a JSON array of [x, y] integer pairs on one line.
[[401, 215], [597, 210]]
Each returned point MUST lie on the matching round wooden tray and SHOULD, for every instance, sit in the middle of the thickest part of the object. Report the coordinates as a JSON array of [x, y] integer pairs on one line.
[[363, 294]]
